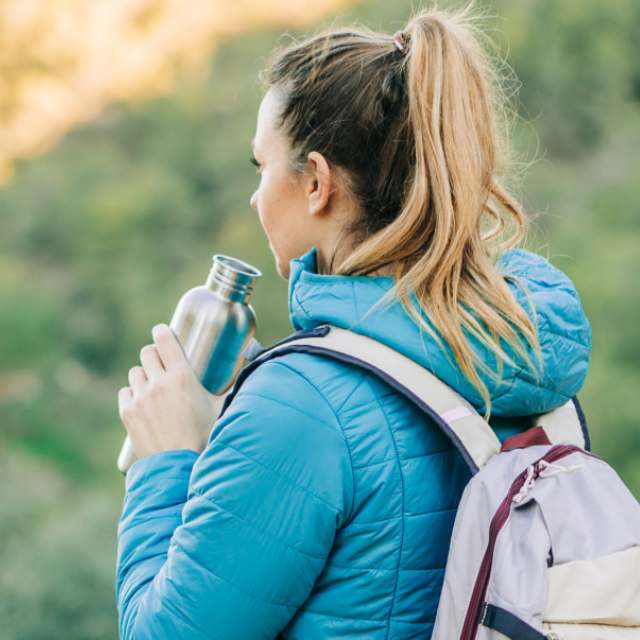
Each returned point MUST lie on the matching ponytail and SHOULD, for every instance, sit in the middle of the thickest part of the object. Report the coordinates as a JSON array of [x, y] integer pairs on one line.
[[415, 120]]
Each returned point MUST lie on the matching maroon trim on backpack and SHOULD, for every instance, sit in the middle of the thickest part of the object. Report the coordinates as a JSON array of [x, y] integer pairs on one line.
[[474, 611], [528, 438]]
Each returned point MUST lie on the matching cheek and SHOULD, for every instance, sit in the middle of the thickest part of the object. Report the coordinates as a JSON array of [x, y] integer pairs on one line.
[[281, 211], [262, 204], [266, 205], [274, 204]]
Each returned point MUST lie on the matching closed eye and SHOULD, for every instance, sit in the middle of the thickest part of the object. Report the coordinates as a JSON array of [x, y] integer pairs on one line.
[[253, 161]]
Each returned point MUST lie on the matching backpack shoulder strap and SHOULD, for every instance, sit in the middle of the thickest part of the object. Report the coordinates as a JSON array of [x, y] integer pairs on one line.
[[454, 415]]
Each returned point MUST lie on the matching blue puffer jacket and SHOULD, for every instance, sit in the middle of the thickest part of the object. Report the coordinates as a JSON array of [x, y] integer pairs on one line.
[[323, 504]]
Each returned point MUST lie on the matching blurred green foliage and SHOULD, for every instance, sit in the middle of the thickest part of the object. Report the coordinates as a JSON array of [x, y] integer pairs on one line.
[[102, 235]]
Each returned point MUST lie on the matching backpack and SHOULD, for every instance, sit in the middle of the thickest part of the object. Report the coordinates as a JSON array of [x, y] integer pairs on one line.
[[546, 540]]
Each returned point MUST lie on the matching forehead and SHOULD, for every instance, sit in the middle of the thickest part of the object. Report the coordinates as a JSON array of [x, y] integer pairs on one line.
[[266, 132]]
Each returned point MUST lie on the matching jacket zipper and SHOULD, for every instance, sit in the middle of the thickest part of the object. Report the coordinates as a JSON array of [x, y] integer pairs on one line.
[[473, 618]]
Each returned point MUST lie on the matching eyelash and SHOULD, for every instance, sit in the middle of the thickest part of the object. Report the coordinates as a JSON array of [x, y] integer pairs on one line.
[[253, 161]]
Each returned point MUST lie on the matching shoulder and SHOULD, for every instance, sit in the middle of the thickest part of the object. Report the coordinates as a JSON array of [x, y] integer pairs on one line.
[[538, 285], [317, 382], [550, 298], [282, 423]]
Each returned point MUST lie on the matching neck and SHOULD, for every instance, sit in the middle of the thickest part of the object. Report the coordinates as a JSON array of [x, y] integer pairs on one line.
[[325, 267]]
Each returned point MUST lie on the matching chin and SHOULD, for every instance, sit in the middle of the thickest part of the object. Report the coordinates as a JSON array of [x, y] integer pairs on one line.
[[282, 269]]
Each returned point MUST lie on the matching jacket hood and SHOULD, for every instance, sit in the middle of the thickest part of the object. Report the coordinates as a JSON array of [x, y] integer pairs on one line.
[[563, 329]]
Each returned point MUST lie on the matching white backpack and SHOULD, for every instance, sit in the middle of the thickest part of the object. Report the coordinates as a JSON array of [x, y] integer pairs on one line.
[[546, 541]]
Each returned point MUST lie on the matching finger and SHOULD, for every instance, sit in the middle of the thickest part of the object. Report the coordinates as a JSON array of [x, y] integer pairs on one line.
[[137, 378], [125, 397], [151, 362], [169, 348]]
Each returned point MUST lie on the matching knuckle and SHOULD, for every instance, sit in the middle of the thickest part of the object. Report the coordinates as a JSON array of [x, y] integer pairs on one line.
[[155, 391], [181, 375], [125, 413], [124, 410]]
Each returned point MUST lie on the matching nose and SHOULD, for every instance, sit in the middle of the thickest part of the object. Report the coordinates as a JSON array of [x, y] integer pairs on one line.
[[253, 202]]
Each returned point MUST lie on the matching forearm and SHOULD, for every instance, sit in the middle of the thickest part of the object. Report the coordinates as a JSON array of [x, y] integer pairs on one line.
[[228, 544], [156, 490]]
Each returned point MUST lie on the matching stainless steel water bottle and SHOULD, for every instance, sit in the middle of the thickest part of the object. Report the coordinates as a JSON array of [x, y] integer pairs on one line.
[[214, 323]]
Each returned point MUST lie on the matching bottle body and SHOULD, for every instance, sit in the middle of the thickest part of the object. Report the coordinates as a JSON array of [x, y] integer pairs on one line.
[[214, 324], [213, 332]]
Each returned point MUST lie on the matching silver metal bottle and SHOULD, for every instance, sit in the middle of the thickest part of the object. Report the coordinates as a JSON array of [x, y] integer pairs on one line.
[[214, 323]]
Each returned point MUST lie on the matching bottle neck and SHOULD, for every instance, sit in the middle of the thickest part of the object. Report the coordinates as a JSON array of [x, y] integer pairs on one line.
[[232, 279]]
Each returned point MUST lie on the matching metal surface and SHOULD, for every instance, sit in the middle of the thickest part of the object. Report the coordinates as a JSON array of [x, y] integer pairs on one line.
[[214, 323]]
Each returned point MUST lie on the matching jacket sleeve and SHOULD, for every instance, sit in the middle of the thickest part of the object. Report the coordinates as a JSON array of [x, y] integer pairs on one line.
[[228, 544]]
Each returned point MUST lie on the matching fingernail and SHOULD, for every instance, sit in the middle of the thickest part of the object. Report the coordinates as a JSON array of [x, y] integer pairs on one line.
[[160, 328]]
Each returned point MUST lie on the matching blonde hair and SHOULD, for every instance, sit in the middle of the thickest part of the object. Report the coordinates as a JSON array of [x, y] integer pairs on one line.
[[418, 125]]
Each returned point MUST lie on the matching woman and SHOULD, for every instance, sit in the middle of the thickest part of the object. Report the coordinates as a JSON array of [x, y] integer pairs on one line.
[[321, 504]]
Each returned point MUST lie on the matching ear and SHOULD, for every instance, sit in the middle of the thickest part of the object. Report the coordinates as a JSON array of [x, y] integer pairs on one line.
[[320, 183]]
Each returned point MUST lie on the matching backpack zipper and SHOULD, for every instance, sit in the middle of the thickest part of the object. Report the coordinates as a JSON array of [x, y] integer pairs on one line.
[[475, 610]]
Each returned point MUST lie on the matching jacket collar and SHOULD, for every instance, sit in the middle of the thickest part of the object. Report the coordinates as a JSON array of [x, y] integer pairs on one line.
[[564, 332]]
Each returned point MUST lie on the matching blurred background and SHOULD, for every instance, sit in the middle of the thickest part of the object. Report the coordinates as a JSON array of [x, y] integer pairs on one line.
[[124, 143]]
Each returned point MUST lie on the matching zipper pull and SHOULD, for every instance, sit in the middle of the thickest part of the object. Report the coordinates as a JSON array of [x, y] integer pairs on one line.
[[529, 482], [547, 469]]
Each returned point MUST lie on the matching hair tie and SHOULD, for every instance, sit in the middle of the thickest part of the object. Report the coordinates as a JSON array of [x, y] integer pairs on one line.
[[400, 40]]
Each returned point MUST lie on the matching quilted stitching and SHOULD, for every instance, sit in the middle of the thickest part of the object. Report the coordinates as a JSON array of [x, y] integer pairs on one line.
[[323, 505]]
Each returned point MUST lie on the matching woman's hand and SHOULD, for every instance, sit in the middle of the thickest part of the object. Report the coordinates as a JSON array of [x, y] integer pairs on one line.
[[165, 407]]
